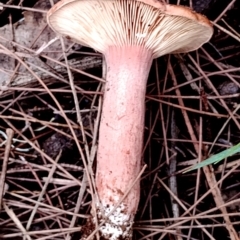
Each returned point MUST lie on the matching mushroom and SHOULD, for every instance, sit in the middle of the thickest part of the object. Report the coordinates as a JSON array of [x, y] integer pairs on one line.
[[130, 34]]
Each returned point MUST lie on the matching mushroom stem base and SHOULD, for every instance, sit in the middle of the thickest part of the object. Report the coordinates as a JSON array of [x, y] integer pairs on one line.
[[121, 138]]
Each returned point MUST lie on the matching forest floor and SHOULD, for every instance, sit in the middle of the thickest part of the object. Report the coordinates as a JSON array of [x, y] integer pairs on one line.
[[47, 137]]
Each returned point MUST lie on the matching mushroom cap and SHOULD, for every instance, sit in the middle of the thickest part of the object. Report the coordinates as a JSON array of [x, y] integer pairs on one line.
[[162, 28]]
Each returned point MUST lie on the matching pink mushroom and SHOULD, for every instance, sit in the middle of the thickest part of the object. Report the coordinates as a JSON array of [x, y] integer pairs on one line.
[[130, 34]]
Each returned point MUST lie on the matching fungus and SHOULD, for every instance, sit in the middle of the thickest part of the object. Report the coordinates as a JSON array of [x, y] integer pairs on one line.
[[130, 34]]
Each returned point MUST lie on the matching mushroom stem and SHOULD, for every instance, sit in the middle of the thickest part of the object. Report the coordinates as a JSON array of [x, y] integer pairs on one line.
[[121, 136]]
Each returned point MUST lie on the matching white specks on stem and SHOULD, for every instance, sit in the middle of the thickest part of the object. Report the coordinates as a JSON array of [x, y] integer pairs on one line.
[[118, 224]]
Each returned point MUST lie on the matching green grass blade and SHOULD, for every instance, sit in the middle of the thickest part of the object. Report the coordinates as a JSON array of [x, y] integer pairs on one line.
[[216, 158]]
